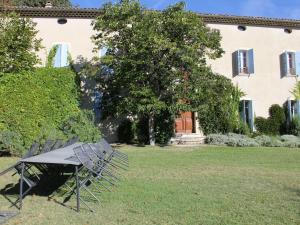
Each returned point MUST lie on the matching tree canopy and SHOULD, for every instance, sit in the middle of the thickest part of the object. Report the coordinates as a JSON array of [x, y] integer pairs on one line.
[[18, 43], [42, 3], [155, 60]]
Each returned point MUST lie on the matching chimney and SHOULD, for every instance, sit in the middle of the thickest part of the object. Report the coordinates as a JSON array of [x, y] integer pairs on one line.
[[48, 5]]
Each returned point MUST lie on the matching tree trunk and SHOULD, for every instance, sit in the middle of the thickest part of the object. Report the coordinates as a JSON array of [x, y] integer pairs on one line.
[[151, 130]]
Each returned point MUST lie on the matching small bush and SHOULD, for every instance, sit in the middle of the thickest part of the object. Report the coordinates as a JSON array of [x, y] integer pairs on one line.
[[277, 114], [262, 125], [126, 132], [244, 129], [275, 124], [295, 127], [82, 126], [234, 140], [268, 141], [11, 142]]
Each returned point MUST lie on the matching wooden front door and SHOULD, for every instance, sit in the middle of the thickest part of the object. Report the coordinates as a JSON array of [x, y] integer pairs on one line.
[[184, 123]]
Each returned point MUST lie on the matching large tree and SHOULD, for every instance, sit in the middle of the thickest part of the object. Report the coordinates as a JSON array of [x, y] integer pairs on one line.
[[18, 43], [157, 59], [41, 3]]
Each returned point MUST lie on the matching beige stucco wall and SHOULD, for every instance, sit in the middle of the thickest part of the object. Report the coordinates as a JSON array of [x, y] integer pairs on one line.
[[266, 86], [76, 32]]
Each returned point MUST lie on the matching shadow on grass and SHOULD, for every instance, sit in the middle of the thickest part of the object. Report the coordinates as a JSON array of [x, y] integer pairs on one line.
[[5, 154], [47, 186]]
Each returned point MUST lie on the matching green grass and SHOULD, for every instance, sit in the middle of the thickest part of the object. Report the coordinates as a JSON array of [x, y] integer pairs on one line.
[[172, 185]]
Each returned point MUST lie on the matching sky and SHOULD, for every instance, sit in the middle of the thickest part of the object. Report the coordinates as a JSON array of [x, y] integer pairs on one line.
[[266, 8]]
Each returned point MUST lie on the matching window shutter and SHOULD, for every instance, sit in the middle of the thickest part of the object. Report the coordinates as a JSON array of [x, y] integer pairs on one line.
[[289, 109], [251, 115], [64, 55], [102, 52], [297, 61], [236, 63], [97, 104], [284, 63], [242, 111], [250, 61], [61, 57], [298, 108], [57, 59]]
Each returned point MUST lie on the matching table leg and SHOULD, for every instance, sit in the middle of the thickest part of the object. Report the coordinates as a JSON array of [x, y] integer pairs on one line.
[[21, 184], [77, 189]]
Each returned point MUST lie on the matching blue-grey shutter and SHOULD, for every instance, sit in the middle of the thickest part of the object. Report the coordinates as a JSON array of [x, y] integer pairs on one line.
[[284, 63], [236, 63], [61, 56], [64, 55], [251, 115], [298, 108], [297, 61], [102, 52], [57, 59], [97, 104], [250, 54], [242, 111], [289, 109]]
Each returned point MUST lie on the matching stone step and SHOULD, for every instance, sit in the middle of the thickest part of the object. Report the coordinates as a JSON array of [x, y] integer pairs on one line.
[[188, 139]]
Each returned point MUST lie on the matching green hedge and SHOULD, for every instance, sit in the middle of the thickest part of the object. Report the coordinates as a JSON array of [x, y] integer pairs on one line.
[[275, 124], [35, 105]]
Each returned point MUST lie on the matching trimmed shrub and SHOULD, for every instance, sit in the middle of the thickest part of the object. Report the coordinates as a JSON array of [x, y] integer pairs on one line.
[[11, 142], [295, 126], [268, 141], [234, 140], [275, 124], [36, 104], [218, 107], [262, 125]]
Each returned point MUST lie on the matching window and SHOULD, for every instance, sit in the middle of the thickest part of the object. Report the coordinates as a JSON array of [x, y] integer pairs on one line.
[[293, 108], [62, 21], [288, 31], [61, 56], [290, 63], [247, 114], [98, 104], [242, 28], [243, 62], [102, 52]]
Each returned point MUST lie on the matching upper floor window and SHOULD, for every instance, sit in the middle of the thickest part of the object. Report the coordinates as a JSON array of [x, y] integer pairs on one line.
[[62, 55], [290, 63], [243, 61], [242, 28]]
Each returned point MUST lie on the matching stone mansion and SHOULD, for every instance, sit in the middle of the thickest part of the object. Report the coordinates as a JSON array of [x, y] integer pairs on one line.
[[262, 55]]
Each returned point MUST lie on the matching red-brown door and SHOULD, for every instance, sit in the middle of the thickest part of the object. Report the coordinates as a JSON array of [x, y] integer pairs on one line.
[[184, 123]]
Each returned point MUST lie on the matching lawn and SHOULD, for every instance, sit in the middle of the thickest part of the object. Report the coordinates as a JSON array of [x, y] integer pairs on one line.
[[172, 185]]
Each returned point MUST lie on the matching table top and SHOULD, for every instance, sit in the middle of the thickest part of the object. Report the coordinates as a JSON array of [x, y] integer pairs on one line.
[[61, 156]]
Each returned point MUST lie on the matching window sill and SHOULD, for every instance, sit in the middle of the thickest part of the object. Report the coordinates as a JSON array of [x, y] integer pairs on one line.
[[290, 75], [243, 74]]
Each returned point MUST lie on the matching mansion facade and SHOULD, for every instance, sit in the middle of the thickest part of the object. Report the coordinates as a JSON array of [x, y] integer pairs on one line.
[[262, 56]]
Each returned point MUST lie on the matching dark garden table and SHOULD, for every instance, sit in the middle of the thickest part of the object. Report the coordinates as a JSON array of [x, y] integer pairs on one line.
[[63, 156]]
